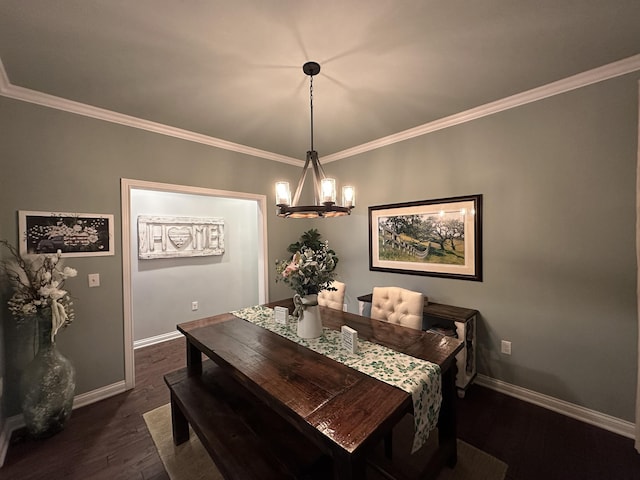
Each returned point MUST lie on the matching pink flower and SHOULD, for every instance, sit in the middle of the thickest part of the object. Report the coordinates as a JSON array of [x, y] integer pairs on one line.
[[292, 267]]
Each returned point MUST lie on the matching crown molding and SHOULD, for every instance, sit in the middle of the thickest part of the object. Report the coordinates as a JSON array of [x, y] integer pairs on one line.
[[606, 72], [58, 103]]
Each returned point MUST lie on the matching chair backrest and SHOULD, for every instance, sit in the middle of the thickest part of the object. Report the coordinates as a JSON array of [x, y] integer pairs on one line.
[[398, 305], [333, 298]]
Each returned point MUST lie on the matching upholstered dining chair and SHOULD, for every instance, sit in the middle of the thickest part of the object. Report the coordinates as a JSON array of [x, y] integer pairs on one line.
[[333, 298], [398, 305], [403, 307]]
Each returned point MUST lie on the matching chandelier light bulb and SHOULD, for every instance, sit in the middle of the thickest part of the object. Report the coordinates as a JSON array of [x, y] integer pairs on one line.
[[283, 193], [328, 190], [348, 196]]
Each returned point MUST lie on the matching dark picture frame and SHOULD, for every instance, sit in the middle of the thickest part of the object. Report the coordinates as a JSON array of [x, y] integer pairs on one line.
[[438, 238], [74, 234]]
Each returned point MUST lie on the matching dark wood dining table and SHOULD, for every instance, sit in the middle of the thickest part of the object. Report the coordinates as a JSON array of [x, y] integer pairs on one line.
[[345, 412]]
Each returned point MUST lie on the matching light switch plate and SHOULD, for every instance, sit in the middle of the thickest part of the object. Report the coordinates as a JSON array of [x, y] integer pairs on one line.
[[94, 279]]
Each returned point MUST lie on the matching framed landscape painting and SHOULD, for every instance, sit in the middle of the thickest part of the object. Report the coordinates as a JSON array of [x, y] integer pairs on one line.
[[74, 234], [439, 238]]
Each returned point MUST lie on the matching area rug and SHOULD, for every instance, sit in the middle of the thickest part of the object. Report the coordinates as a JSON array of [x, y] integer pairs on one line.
[[190, 460]]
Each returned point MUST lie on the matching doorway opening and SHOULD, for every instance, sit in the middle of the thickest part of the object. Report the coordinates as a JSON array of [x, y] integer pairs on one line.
[[143, 279]]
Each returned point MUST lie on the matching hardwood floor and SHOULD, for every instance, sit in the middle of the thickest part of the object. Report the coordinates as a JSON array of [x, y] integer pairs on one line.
[[109, 439], [539, 444]]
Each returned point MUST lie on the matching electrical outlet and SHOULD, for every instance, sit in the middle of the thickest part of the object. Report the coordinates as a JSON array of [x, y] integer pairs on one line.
[[94, 279], [344, 307], [194, 306], [505, 347]]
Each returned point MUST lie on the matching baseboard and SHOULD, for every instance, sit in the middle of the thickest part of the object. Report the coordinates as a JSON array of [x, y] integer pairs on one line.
[[16, 422], [11, 424], [102, 393], [146, 342], [606, 422]]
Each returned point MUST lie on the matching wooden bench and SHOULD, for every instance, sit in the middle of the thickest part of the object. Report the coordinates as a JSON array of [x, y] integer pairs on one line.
[[245, 439]]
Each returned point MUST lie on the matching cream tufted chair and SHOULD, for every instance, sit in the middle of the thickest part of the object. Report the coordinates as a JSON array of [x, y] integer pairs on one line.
[[398, 305], [333, 298]]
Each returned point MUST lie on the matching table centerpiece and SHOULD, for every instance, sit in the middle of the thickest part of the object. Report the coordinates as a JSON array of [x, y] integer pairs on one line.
[[310, 270]]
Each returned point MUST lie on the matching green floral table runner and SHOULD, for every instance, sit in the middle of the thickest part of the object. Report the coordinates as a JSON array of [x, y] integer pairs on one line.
[[413, 375]]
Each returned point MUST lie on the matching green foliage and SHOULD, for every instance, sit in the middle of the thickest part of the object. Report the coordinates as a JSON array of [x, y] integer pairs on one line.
[[311, 268], [311, 239]]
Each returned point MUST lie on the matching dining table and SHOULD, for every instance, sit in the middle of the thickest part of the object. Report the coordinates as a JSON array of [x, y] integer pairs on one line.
[[343, 411]]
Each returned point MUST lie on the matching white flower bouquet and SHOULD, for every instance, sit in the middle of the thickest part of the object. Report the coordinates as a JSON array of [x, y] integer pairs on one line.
[[38, 283]]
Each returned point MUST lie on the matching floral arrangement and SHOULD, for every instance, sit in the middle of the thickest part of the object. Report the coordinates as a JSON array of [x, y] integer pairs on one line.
[[312, 267], [38, 285]]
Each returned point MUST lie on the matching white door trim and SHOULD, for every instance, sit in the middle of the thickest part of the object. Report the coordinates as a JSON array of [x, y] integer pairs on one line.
[[126, 185]]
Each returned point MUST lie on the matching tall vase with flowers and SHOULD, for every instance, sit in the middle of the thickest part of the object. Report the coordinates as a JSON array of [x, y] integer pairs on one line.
[[39, 298], [310, 270]]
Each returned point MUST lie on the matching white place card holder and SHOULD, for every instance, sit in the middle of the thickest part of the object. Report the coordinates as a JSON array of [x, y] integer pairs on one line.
[[349, 339], [281, 315]]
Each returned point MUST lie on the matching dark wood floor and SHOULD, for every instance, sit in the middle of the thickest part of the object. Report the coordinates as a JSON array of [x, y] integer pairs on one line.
[[540, 444], [109, 439]]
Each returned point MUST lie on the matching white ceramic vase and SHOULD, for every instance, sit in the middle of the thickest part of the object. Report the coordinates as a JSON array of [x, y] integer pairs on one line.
[[309, 322]]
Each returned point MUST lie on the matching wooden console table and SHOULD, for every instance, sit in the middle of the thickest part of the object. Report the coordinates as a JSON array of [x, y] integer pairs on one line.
[[459, 320]]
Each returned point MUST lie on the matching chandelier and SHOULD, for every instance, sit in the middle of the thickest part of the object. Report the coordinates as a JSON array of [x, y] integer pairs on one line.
[[325, 188]]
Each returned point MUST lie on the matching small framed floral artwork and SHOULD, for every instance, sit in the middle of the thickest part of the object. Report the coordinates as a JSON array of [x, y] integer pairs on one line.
[[74, 234], [438, 238]]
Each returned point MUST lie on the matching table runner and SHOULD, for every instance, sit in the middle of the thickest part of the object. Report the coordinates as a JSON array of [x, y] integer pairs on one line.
[[418, 377]]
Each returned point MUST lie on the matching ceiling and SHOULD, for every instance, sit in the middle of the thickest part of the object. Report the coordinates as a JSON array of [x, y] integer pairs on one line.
[[232, 70]]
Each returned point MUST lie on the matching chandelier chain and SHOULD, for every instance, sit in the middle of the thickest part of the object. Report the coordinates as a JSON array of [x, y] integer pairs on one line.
[[311, 105]]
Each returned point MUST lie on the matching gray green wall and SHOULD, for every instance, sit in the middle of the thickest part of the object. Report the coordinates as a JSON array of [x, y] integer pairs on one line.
[[55, 161], [558, 179]]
